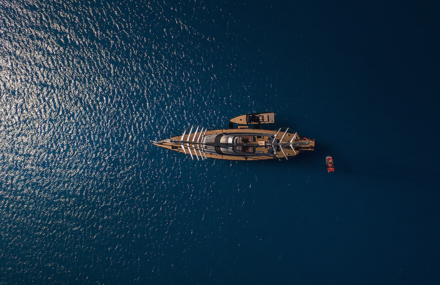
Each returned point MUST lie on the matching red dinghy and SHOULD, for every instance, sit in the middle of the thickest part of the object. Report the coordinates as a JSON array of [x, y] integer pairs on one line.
[[329, 162]]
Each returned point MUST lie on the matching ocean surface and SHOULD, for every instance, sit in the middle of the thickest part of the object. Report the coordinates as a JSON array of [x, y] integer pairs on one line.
[[85, 86]]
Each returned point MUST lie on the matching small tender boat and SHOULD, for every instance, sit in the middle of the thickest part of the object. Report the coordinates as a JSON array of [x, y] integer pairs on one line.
[[329, 162], [254, 119]]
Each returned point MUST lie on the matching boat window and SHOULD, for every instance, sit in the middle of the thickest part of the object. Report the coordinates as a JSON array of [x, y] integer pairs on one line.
[[229, 139]]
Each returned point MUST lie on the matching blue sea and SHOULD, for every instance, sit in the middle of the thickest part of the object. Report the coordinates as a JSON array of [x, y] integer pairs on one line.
[[86, 86]]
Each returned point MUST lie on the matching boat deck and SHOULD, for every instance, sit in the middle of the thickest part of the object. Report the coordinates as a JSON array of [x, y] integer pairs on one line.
[[257, 142], [254, 119]]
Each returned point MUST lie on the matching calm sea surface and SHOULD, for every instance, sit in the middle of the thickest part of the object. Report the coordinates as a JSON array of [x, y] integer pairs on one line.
[[85, 198]]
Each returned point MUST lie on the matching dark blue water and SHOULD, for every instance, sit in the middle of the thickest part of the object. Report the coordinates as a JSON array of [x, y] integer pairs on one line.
[[85, 198]]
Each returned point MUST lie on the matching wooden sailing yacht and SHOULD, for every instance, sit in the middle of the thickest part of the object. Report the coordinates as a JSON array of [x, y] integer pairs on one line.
[[238, 144]]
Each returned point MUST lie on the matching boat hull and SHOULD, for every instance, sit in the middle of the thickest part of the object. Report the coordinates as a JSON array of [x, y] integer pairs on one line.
[[254, 119], [329, 163], [258, 142]]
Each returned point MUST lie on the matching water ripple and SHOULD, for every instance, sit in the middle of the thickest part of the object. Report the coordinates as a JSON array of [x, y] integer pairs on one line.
[[84, 88]]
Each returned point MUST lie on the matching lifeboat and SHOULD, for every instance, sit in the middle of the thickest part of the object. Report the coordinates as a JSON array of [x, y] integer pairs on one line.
[[330, 165]]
